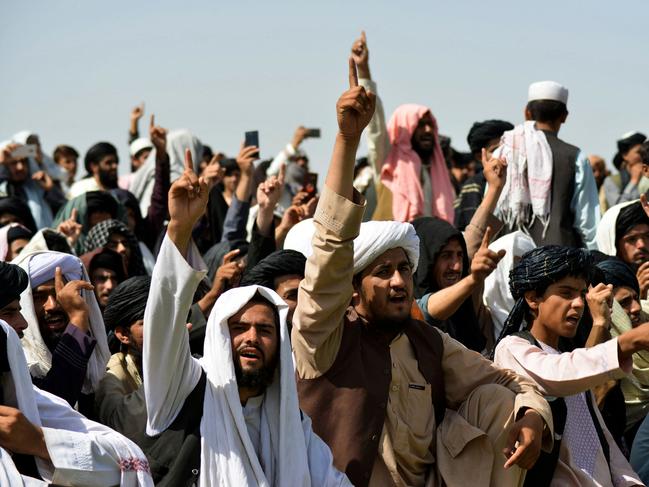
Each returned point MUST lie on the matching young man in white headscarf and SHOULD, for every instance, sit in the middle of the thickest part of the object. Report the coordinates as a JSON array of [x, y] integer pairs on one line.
[[43, 440], [240, 401], [65, 342], [398, 402]]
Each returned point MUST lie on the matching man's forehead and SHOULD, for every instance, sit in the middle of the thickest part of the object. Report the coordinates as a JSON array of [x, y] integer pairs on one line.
[[396, 254], [640, 228], [255, 310]]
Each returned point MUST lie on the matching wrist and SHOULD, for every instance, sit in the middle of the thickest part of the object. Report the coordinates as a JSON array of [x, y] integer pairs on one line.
[[601, 322], [79, 319], [350, 142]]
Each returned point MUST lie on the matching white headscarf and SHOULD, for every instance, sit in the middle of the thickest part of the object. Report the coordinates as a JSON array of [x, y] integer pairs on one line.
[[143, 179], [227, 453], [30, 406], [40, 268], [526, 196], [496, 286], [605, 236], [374, 238], [4, 239]]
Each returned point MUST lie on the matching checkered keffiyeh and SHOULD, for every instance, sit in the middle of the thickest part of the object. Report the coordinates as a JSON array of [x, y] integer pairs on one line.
[[99, 236]]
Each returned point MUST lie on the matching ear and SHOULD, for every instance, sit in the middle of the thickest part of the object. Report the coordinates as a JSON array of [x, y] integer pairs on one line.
[[565, 117], [645, 170], [122, 335], [527, 114], [532, 300]]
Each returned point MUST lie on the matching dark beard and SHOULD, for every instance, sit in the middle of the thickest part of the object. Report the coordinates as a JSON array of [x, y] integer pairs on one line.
[[108, 179], [257, 379], [389, 326]]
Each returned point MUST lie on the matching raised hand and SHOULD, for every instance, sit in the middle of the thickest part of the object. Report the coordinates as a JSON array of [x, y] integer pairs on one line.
[[5, 153], [361, 56], [44, 180], [229, 273], [158, 136], [485, 260], [137, 112], [69, 297], [643, 279], [494, 170], [269, 192], [600, 302], [298, 136], [355, 107], [213, 172], [71, 228], [246, 157], [188, 198]]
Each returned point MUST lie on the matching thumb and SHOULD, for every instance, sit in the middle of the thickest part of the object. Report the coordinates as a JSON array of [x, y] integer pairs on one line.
[[501, 254], [512, 436]]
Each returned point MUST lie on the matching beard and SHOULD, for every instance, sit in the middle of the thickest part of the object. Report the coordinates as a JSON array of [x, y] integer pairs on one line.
[[108, 179], [258, 379]]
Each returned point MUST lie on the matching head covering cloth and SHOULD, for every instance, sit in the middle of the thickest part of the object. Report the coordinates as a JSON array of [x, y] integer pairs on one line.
[[127, 302], [17, 207], [538, 269], [402, 167], [279, 263], [482, 132], [99, 236], [8, 234], [607, 230], [13, 281], [618, 273], [40, 267]]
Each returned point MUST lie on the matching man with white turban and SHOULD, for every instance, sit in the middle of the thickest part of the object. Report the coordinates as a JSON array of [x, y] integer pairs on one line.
[[43, 440], [65, 341], [398, 402], [240, 401]]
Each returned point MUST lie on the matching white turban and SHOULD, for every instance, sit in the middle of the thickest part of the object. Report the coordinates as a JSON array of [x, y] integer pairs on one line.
[[378, 237], [375, 237], [40, 268]]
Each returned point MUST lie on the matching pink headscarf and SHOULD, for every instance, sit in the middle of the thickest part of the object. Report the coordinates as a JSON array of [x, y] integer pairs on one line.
[[402, 167]]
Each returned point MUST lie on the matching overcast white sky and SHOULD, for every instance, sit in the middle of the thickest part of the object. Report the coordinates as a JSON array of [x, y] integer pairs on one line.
[[72, 70]]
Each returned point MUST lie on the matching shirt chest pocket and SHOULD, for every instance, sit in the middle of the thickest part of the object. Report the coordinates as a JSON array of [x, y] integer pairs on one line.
[[416, 416]]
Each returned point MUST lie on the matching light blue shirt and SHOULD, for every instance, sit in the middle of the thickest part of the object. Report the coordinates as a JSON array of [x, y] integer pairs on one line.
[[585, 202]]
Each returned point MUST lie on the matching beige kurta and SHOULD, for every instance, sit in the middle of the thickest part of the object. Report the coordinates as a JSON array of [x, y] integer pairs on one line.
[[412, 449]]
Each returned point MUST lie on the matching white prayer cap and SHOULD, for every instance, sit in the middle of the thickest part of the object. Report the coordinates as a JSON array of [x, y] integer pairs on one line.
[[138, 144], [547, 90], [299, 237]]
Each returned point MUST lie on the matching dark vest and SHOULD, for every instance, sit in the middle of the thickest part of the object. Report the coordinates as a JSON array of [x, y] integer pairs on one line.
[[175, 454], [561, 229], [348, 403]]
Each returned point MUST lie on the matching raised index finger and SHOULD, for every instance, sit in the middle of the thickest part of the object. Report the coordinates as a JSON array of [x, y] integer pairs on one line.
[[58, 280], [486, 238], [189, 163], [353, 75], [363, 38], [152, 124]]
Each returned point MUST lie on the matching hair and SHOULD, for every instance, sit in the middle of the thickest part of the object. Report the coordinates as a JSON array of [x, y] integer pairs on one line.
[[644, 153], [207, 154], [547, 110], [64, 151], [97, 152]]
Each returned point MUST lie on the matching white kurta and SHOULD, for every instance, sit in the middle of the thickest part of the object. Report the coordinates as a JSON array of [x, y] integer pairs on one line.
[[570, 374], [171, 373]]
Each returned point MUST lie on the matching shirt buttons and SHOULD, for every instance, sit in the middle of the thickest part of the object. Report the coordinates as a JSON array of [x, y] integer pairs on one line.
[[374, 437], [395, 387]]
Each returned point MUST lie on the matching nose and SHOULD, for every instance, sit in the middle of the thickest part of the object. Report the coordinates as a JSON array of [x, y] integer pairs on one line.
[[635, 308], [250, 336], [51, 304], [21, 322], [109, 285], [456, 264], [578, 302], [121, 248], [397, 280]]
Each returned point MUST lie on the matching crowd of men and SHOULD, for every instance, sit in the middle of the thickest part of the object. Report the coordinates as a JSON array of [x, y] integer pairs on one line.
[[427, 318]]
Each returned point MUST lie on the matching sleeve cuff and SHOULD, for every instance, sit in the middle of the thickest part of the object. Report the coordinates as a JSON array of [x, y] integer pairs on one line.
[[340, 215], [85, 340]]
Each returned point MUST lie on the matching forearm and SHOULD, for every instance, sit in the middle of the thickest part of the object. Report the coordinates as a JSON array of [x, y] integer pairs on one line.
[[482, 218], [234, 226], [599, 333], [445, 302], [265, 220], [244, 187], [158, 209]]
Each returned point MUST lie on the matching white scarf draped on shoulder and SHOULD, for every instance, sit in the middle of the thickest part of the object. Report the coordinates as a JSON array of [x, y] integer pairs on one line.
[[527, 195]]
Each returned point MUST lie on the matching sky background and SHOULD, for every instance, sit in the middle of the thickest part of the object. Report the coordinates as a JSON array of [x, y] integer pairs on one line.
[[72, 70]]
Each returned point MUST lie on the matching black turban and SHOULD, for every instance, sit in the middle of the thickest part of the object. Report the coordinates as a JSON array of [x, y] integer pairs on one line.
[[18, 208], [13, 281], [482, 132], [279, 263], [629, 217], [538, 269], [618, 273], [18, 232], [627, 143], [127, 302]]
